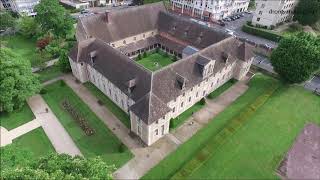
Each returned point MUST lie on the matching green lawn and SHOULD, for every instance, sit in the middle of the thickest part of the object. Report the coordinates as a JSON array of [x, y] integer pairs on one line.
[[253, 151], [16, 118], [36, 142], [179, 120], [103, 143], [24, 47], [221, 89], [49, 73], [155, 61], [167, 167], [118, 112]]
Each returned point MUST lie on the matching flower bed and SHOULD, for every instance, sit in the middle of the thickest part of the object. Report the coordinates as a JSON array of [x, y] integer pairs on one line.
[[78, 117]]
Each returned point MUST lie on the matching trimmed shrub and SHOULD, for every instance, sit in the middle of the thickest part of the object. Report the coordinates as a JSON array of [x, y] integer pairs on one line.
[[171, 124], [157, 50], [174, 58], [139, 56], [43, 91], [202, 101], [121, 148], [261, 33], [144, 54], [62, 83]]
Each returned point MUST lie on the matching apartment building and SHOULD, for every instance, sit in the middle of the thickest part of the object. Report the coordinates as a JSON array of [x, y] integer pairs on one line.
[[270, 13], [107, 45], [209, 9], [20, 6]]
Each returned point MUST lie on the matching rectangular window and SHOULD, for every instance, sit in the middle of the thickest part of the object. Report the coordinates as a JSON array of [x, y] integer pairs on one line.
[[197, 94], [156, 132], [174, 109], [162, 129], [182, 104], [189, 99]]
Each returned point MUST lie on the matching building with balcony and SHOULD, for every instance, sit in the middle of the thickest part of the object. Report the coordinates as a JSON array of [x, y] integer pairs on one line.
[[209, 9], [270, 13], [105, 55], [20, 6]]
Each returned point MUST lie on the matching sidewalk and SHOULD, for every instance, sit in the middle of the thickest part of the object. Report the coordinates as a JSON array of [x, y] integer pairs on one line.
[[58, 136]]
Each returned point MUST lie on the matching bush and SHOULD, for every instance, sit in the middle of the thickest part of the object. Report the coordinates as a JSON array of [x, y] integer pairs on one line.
[[202, 101], [100, 102], [174, 58], [261, 33], [43, 91], [139, 57], [157, 50], [121, 148], [144, 55], [42, 43], [295, 27], [171, 124], [249, 23], [62, 83], [166, 54]]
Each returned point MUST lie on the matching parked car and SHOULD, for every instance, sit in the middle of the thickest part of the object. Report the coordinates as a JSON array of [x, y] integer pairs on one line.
[[233, 18], [84, 11]]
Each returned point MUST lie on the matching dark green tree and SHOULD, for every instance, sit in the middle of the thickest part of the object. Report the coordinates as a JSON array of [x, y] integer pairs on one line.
[[64, 62], [61, 166], [17, 82], [28, 26], [297, 57], [53, 17], [252, 4], [6, 20], [307, 12]]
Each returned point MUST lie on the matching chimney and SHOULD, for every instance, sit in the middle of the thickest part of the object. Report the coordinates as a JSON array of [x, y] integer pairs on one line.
[[106, 18]]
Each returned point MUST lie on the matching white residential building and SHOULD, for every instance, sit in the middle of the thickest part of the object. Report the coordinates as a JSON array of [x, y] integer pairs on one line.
[[209, 9], [270, 13], [107, 45], [21, 6]]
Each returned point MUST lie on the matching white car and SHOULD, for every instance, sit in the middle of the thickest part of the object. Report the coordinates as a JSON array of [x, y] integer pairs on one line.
[[228, 31]]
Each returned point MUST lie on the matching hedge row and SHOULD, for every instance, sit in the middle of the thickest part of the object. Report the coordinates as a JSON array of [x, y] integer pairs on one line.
[[261, 33], [216, 141]]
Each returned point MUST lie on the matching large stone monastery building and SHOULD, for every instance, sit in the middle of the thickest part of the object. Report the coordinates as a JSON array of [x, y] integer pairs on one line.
[[108, 43]]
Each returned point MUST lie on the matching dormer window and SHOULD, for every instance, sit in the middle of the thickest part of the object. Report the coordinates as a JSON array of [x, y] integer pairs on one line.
[[124, 42], [181, 81], [131, 84], [93, 55], [225, 57]]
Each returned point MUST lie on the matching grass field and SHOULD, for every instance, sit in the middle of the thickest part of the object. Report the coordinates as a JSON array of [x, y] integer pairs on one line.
[[49, 73], [167, 167], [155, 61], [16, 118], [253, 151], [26, 48], [179, 120], [111, 106], [103, 143], [36, 142]]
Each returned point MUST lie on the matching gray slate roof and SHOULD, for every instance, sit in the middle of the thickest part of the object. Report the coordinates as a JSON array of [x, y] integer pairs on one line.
[[152, 90]]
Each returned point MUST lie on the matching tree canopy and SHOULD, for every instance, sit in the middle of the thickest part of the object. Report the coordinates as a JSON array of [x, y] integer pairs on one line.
[[53, 17], [28, 26], [307, 12], [17, 82], [297, 57], [6, 20], [55, 166]]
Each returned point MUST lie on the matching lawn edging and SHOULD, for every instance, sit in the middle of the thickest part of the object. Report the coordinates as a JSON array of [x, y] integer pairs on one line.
[[217, 140]]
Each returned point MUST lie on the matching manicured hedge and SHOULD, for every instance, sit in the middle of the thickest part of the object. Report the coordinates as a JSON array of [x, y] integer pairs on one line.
[[213, 144], [261, 33]]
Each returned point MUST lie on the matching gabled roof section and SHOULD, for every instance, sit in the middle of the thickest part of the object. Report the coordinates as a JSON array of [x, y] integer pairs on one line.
[[120, 24], [150, 108], [245, 51]]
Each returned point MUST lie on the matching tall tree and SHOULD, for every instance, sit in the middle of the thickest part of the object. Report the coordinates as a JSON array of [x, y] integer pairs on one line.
[[17, 82], [53, 17], [297, 57], [307, 12], [61, 166], [28, 26], [6, 20], [64, 62]]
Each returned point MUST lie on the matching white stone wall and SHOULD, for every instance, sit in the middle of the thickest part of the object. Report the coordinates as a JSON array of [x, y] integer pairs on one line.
[[110, 90], [79, 70], [135, 38]]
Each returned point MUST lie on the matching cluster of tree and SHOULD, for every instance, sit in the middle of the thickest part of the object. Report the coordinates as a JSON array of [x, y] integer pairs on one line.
[[252, 4], [297, 57], [17, 82], [307, 12], [19, 164], [6, 20]]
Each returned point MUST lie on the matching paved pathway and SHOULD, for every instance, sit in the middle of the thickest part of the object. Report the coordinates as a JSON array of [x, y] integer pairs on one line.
[[56, 133], [47, 64]]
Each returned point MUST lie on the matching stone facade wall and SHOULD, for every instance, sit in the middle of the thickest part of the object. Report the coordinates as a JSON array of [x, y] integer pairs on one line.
[[135, 38]]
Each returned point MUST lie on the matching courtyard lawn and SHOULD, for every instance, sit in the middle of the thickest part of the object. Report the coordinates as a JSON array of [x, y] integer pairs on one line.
[[102, 143], [49, 73], [36, 142], [16, 118], [172, 163], [111, 106], [221, 89], [155, 61], [24, 47], [254, 151], [179, 120]]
